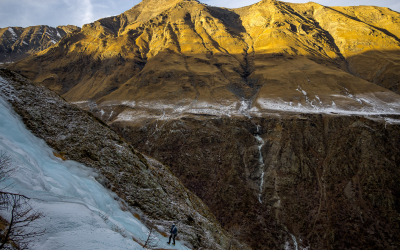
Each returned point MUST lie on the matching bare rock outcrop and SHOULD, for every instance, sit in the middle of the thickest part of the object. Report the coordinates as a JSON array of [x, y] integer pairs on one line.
[[16, 43], [316, 181]]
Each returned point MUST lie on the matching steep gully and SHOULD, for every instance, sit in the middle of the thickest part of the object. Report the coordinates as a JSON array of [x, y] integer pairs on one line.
[[262, 171], [307, 160], [260, 161], [262, 174]]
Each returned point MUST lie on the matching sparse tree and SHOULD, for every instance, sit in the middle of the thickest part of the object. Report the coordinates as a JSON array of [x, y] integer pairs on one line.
[[152, 240], [19, 230], [114, 227], [5, 166]]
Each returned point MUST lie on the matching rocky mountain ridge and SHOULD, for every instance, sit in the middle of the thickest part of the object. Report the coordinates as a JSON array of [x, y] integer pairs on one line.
[[239, 54], [283, 118], [17, 43]]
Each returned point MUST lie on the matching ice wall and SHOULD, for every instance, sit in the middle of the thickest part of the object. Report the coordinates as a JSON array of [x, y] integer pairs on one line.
[[67, 193]]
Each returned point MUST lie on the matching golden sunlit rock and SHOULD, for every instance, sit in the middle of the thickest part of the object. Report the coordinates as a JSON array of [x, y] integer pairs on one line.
[[185, 55]]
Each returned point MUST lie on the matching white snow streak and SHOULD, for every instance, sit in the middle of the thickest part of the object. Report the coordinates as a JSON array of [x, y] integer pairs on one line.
[[11, 30], [371, 106], [260, 163]]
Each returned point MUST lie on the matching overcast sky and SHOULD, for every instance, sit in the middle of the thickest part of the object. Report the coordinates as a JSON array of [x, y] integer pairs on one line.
[[25, 13]]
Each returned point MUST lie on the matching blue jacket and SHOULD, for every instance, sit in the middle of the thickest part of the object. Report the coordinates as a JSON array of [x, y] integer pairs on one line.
[[174, 230]]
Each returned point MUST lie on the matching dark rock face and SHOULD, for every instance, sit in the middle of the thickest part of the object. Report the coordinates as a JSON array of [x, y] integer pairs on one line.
[[140, 182], [17, 43], [330, 181]]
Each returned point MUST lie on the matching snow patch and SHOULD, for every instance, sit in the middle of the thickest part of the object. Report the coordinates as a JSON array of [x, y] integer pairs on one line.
[[261, 163], [176, 110], [11, 30], [131, 104], [392, 121], [319, 100], [372, 105], [80, 102], [352, 96], [294, 241], [245, 106], [301, 90]]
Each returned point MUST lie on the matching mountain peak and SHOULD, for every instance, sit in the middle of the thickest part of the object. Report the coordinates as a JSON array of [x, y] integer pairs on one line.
[[148, 9], [268, 1], [162, 4], [17, 43]]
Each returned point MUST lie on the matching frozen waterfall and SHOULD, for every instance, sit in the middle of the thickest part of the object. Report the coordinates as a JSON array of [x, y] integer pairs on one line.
[[75, 205]]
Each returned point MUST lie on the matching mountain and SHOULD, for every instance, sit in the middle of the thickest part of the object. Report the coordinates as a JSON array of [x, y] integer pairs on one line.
[[17, 43], [283, 118], [141, 185], [266, 54]]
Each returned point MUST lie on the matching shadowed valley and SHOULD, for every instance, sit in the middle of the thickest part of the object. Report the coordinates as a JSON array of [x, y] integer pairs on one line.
[[283, 118]]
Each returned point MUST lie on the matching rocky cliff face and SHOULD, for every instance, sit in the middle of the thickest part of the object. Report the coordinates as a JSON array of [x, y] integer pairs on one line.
[[142, 183], [17, 43], [281, 117], [329, 181]]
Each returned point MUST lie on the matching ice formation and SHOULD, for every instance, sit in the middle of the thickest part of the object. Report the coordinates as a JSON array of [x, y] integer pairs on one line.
[[79, 212]]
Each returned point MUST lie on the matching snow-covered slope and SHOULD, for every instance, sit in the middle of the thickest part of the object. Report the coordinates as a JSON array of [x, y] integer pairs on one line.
[[66, 192]]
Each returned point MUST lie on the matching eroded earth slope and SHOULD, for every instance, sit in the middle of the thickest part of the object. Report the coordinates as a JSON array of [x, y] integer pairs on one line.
[[283, 118], [187, 56]]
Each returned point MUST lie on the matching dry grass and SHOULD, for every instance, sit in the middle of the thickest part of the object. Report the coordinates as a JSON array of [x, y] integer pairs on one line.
[[163, 234], [60, 155]]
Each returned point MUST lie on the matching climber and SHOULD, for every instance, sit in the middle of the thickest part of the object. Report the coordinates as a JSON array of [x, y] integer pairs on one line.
[[174, 233]]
